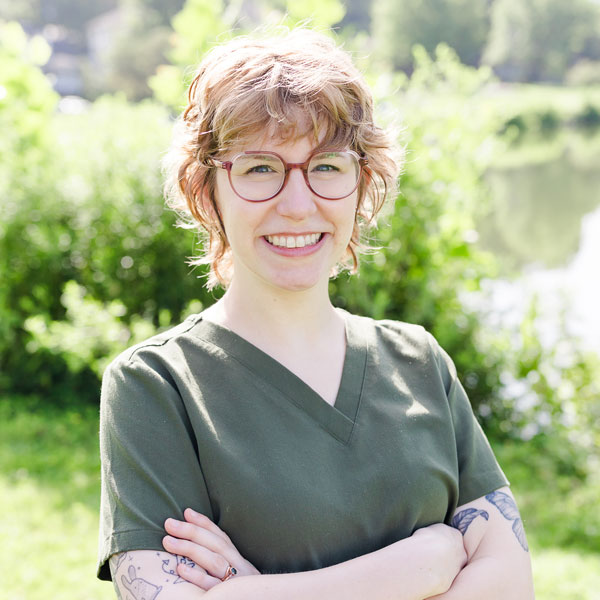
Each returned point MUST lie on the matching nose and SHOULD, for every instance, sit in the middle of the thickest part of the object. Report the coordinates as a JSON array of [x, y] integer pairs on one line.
[[296, 201]]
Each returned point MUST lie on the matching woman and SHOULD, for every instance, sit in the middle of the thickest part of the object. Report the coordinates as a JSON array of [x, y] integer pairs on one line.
[[325, 454]]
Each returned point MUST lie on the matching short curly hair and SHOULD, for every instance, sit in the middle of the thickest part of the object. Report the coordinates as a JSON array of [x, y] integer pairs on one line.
[[299, 83]]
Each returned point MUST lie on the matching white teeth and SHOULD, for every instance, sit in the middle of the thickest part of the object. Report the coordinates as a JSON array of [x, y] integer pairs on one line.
[[293, 241]]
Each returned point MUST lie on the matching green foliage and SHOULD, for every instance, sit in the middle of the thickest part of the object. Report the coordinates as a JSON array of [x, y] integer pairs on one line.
[[93, 333], [525, 112], [589, 117], [197, 27], [461, 24], [81, 201], [26, 97], [140, 45], [538, 40], [49, 499], [552, 391], [558, 503], [202, 23]]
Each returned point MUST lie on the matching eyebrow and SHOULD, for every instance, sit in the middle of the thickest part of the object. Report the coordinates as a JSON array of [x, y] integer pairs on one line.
[[259, 156]]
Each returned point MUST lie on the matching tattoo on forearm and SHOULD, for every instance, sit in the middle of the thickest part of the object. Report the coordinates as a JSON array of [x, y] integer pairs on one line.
[[139, 588], [464, 518], [115, 561], [508, 509], [171, 569], [129, 586]]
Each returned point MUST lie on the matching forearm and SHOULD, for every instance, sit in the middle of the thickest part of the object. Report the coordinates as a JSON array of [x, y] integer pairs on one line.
[[401, 571], [491, 578], [499, 566]]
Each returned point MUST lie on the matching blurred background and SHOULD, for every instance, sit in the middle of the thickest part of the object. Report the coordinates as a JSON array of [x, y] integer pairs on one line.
[[493, 243]]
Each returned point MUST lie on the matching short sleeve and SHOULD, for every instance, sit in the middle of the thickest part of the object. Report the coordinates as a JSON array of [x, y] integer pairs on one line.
[[478, 469], [149, 457]]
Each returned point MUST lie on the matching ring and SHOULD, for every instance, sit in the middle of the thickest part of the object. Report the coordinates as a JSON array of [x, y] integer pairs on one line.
[[231, 571]]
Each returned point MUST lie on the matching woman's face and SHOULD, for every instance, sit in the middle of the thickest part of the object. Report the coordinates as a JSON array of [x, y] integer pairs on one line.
[[260, 233]]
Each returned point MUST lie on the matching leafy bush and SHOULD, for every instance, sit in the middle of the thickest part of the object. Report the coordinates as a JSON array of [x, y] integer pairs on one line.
[[589, 118], [82, 201]]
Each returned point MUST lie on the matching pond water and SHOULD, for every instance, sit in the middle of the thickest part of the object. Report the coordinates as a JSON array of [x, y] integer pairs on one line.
[[544, 227]]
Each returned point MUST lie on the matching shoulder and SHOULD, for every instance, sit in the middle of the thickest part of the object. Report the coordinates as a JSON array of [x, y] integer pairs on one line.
[[146, 379], [155, 351], [150, 370], [407, 343], [406, 338]]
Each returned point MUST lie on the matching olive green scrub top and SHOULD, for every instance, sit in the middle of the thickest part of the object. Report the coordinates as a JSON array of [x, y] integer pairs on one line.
[[198, 417]]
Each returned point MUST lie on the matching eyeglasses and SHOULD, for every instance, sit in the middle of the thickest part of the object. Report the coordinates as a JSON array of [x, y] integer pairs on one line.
[[258, 175]]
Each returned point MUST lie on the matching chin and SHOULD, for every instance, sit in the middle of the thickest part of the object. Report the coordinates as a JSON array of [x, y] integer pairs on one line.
[[298, 282]]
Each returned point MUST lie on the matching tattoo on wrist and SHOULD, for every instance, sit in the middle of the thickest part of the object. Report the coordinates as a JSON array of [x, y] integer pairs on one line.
[[508, 509]]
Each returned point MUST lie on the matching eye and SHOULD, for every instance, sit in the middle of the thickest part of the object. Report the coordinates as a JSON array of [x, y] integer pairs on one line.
[[325, 168], [260, 169], [256, 166]]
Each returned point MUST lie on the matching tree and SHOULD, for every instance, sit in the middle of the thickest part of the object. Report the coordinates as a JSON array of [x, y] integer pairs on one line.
[[461, 24], [538, 40], [137, 51], [202, 23]]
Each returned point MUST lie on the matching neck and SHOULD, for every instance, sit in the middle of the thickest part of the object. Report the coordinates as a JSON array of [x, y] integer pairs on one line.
[[262, 314]]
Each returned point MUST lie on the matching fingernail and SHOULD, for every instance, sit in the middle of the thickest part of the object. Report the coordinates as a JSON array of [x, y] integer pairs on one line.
[[169, 540], [194, 513], [172, 523]]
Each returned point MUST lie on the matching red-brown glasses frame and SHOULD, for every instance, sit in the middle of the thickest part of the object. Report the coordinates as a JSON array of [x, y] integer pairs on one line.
[[227, 164]]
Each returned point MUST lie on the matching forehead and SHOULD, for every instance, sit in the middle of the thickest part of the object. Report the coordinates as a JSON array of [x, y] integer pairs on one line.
[[295, 137]]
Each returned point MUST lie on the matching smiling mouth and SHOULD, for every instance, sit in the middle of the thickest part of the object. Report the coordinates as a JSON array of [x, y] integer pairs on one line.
[[294, 241]]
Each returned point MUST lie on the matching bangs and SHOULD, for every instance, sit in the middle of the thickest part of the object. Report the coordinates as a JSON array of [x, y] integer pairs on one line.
[[277, 113]]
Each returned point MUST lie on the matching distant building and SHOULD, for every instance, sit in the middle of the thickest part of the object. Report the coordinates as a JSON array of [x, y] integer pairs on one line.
[[64, 68], [101, 34]]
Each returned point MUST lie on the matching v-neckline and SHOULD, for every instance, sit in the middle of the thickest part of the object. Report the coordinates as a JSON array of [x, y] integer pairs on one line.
[[338, 419]]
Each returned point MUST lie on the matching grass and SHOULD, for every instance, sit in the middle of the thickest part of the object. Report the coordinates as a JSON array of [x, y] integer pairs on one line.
[[49, 502], [49, 510]]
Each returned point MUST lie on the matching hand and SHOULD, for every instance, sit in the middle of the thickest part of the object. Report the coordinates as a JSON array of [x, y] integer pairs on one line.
[[445, 548], [200, 540]]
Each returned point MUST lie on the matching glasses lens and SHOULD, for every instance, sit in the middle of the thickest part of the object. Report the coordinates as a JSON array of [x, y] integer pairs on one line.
[[333, 174], [257, 177]]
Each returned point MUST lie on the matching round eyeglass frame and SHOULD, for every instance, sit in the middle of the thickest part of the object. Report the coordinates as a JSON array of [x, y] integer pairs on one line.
[[227, 164]]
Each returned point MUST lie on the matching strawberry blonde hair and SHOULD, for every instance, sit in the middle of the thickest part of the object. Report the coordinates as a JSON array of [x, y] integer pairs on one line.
[[296, 84]]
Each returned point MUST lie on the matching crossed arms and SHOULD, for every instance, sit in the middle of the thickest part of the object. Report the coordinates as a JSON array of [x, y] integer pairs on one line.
[[489, 560]]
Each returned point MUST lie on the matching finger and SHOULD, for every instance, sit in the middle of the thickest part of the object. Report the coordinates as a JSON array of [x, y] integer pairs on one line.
[[214, 564], [201, 536], [197, 576], [191, 516]]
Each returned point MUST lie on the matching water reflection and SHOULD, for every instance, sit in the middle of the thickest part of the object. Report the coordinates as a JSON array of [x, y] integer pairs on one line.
[[544, 224], [536, 212]]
